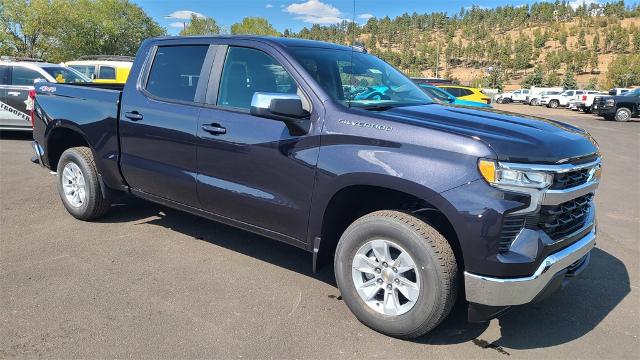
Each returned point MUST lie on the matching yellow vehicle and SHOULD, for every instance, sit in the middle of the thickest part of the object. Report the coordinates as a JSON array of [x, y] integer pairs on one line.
[[467, 93], [104, 69]]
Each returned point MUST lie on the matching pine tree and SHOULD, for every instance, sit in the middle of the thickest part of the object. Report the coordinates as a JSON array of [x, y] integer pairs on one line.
[[569, 81]]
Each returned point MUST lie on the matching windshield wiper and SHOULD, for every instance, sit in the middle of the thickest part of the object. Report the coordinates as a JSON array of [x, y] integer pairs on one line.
[[380, 107]]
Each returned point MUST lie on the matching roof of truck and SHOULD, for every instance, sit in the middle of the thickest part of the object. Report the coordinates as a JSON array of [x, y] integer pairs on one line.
[[280, 41]]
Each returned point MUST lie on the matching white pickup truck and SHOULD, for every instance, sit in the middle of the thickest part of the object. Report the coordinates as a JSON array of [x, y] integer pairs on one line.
[[555, 100], [585, 101], [519, 95]]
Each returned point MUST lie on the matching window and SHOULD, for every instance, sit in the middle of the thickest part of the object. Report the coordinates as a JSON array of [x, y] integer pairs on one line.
[[465, 92], [453, 91], [247, 71], [175, 71], [65, 75], [86, 70], [107, 72], [24, 77], [4, 75]]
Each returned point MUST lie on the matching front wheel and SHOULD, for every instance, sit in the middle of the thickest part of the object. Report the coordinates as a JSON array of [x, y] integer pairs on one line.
[[553, 104], [396, 273], [623, 114], [78, 184]]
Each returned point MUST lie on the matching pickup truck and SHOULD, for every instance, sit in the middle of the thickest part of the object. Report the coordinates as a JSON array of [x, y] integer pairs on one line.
[[519, 95], [414, 202], [620, 107]]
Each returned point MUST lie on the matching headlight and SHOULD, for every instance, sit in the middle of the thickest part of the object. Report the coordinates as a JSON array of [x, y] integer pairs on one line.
[[609, 102], [499, 176]]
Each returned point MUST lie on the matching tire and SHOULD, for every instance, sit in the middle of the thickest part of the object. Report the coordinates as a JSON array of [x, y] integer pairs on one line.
[[434, 272], [499, 100], [623, 114], [77, 166], [553, 104], [587, 110], [506, 101]]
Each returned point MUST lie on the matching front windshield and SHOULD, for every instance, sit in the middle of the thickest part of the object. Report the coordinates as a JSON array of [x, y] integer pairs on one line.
[[66, 75], [358, 79]]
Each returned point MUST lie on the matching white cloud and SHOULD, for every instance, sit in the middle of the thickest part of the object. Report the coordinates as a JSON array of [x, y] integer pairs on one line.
[[577, 3], [183, 15], [315, 12], [268, 6], [365, 16], [178, 25]]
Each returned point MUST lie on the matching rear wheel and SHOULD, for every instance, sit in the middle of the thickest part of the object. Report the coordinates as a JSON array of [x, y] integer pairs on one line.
[[396, 273], [623, 114], [553, 104], [78, 184]]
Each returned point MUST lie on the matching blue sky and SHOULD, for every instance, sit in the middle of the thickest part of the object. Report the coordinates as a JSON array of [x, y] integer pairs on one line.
[[295, 14]]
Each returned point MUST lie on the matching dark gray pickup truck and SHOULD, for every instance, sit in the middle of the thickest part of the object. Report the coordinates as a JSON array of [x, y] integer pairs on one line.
[[416, 203]]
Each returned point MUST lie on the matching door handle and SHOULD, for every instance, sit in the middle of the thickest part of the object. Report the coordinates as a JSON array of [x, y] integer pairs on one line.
[[133, 115], [14, 93], [215, 129]]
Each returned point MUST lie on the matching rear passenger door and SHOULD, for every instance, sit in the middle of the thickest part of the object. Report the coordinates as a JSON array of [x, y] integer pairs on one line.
[[159, 122], [17, 93]]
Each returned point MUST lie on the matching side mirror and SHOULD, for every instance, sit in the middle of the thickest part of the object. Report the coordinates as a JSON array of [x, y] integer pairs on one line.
[[282, 107], [452, 99]]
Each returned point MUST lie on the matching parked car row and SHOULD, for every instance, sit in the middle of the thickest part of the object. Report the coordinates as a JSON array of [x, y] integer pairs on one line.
[[18, 75], [620, 104]]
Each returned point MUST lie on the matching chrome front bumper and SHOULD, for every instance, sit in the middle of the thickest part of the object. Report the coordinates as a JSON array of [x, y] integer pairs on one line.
[[517, 291]]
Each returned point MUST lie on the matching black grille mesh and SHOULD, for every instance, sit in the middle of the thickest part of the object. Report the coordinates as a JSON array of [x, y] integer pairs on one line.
[[557, 221], [570, 179], [561, 220]]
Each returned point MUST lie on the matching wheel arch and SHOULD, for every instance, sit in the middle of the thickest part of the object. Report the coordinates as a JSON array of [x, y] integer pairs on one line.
[[60, 138], [352, 200]]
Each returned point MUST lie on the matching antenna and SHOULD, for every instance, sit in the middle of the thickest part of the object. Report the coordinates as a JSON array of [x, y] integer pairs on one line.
[[353, 44]]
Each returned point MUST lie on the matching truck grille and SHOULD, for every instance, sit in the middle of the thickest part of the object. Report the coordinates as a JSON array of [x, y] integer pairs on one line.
[[570, 179], [561, 220], [556, 221]]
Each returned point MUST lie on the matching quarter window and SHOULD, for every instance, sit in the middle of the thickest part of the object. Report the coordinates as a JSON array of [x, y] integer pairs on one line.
[[247, 71], [107, 73], [175, 72], [23, 76]]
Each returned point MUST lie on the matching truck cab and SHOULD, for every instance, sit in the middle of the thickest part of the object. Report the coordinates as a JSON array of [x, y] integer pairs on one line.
[[414, 202]]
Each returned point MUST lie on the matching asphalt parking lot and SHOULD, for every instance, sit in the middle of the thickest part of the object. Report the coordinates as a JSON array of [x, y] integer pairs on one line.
[[150, 282]]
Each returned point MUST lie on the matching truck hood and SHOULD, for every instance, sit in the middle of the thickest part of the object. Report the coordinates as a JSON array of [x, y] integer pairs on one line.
[[513, 137]]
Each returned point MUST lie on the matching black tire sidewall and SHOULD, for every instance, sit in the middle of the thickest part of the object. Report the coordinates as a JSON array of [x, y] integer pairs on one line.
[[426, 308], [554, 104], [84, 211]]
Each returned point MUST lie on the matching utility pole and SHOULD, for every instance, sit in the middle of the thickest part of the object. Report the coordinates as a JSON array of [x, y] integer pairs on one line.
[[437, 59]]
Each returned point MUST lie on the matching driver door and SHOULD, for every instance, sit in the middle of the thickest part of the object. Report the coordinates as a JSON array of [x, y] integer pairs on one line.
[[252, 169]]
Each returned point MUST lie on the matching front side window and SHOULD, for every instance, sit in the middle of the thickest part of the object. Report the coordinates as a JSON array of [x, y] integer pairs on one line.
[[358, 79], [65, 75], [107, 73], [175, 71], [247, 71], [23, 76]]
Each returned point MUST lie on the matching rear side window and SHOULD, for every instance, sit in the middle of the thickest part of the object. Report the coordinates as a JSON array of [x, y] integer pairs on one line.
[[465, 92], [107, 72], [4, 75], [453, 91], [175, 72], [23, 76], [247, 71], [86, 70]]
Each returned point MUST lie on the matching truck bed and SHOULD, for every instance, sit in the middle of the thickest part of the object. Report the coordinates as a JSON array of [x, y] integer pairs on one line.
[[93, 109]]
